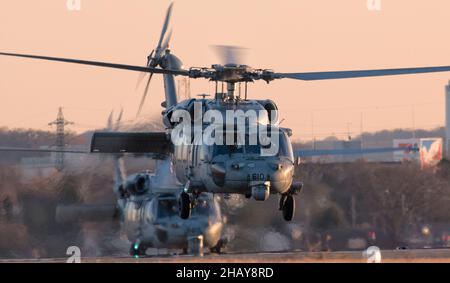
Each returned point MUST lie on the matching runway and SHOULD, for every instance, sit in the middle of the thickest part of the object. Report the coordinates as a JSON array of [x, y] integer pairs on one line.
[[388, 256]]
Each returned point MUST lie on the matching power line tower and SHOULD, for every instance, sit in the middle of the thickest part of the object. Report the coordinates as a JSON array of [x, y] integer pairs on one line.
[[60, 123]]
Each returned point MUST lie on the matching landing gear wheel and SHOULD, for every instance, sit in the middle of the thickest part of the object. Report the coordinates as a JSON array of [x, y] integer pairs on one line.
[[219, 247], [184, 203], [282, 201], [137, 250], [288, 208]]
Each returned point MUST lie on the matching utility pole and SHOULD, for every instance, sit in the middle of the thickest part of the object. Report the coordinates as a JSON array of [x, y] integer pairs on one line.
[[313, 141], [60, 123], [361, 131], [353, 210], [413, 112], [447, 120], [349, 137]]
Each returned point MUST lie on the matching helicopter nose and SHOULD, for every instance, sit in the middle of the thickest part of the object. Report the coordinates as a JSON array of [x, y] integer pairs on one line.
[[281, 176]]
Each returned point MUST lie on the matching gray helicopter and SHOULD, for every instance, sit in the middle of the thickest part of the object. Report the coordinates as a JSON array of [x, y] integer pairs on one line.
[[148, 212], [237, 167], [147, 209]]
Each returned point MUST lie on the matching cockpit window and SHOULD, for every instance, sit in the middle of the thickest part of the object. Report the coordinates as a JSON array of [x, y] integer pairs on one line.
[[285, 147], [167, 208], [227, 149]]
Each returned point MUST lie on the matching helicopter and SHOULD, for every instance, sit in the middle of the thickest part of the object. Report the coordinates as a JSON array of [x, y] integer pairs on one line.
[[240, 166], [147, 210]]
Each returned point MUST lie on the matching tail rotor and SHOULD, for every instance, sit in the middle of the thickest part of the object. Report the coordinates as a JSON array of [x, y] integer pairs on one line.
[[156, 56]]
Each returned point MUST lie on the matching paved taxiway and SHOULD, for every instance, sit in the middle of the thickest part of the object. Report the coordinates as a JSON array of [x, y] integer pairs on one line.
[[388, 256]]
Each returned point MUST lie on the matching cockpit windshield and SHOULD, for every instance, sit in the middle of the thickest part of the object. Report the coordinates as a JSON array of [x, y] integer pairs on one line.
[[167, 207], [284, 147], [227, 149]]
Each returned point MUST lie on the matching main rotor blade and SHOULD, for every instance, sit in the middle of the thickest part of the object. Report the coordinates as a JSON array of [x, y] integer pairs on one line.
[[118, 120], [164, 29], [360, 74], [144, 96], [149, 64], [102, 64], [166, 41], [109, 123], [140, 79]]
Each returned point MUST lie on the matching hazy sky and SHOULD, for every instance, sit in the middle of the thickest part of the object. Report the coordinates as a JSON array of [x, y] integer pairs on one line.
[[285, 35]]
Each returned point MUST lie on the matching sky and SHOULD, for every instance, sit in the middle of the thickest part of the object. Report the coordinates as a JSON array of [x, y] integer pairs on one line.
[[284, 35]]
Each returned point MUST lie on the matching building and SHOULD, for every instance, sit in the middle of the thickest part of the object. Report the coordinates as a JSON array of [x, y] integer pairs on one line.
[[447, 121]]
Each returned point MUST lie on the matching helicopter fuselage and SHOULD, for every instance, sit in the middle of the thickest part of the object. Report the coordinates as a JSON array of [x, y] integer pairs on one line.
[[155, 223], [237, 168], [150, 219]]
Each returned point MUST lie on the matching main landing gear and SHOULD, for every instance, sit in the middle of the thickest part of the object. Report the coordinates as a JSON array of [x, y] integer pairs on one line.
[[287, 201], [184, 205], [287, 206]]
